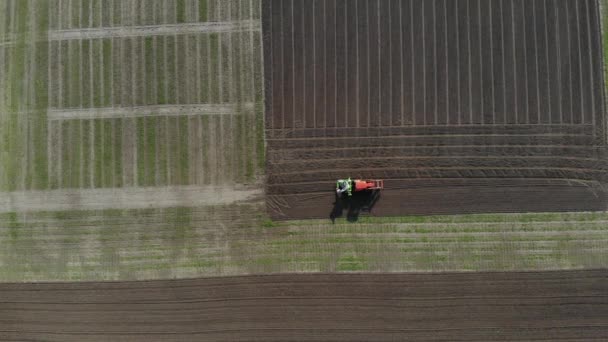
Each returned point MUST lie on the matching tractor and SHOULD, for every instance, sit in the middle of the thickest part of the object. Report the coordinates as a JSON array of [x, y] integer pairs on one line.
[[349, 186]]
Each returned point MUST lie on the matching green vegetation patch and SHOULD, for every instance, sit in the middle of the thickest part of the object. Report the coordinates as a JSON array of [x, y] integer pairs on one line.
[[238, 239], [121, 244], [150, 72], [98, 149], [163, 138], [141, 148], [107, 49], [149, 151], [183, 148], [439, 243], [181, 10], [214, 67], [23, 97], [202, 10], [118, 133], [172, 69]]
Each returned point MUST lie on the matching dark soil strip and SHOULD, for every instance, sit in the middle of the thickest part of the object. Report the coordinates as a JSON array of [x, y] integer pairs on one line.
[[565, 305]]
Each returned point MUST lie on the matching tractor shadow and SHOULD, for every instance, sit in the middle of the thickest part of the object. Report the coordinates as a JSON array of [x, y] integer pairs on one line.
[[359, 202]]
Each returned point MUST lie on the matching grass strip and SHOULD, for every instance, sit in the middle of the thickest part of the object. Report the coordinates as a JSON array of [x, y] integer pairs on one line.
[[162, 150], [171, 72], [84, 80], [108, 160], [202, 10], [205, 127], [39, 118], [184, 158], [182, 70], [118, 128], [75, 151], [151, 65], [204, 65], [11, 143], [99, 152], [162, 71], [140, 126], [86, 147], [107, 49], [180, 8], [214, 68], [97, 74], [150, 150]]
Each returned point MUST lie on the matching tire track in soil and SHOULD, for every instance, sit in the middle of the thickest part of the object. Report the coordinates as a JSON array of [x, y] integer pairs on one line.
[[154, 30], [145, 111], [126, 198]]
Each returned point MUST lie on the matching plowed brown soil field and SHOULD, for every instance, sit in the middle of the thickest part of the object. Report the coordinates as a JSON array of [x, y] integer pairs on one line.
[[564, 306], [461, 106]]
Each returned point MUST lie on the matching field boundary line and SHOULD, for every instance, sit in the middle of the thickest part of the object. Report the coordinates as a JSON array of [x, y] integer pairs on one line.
[[145, 111], [155, 30], [126, 198]]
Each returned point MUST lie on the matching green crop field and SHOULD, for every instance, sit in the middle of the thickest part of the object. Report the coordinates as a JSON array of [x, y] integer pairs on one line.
[[132, 147], [159, 100], [97, 98]]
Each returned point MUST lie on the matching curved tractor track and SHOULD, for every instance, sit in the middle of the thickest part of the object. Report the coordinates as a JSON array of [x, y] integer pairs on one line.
[[315, 307], [495, 109]]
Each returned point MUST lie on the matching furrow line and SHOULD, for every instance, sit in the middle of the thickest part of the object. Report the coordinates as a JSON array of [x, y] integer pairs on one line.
[[155, 30]]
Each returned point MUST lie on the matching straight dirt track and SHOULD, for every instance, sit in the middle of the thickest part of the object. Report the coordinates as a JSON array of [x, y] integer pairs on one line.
[[564, 306], [480, 106]]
